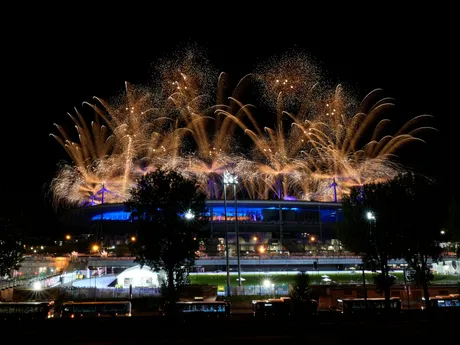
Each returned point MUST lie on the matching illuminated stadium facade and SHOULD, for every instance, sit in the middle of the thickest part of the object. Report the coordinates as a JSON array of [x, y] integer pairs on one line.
[[262, 224]]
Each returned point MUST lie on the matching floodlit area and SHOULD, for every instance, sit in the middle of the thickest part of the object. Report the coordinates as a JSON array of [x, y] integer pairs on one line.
[[134, 276], [138, 277], [316, 277], [98, 282]]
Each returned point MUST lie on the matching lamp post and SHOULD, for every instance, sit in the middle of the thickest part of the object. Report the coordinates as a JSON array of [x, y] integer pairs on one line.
[[371, 218], [237, 236], [232, 179], [226, 235], [364, 287], [189, 215]]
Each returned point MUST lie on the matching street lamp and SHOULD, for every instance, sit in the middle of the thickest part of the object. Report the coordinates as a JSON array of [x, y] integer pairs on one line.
[[232, 179], [371, 218], [237, 233], [189, 215], [226, 234]]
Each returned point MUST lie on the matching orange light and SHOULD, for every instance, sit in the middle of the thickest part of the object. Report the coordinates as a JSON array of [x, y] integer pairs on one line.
[[95, 248], [67, 237], [261, 249], [133, 238], [313, 239]]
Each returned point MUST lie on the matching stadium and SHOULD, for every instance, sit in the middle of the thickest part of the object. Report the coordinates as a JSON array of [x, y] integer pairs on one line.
[[264, 226], [296, 144]]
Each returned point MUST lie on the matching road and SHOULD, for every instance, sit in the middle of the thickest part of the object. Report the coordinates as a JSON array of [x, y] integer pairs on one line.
[[240, 331]]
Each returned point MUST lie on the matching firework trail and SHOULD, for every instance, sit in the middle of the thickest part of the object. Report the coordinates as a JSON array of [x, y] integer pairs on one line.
[[306, 139]]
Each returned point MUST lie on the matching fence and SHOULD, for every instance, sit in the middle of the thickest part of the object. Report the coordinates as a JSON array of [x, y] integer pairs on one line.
[[15, 282], [122, 293], [258, 290], [107, 293]]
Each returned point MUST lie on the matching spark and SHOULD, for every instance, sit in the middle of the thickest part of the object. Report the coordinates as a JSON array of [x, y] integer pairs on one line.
[[304, 137]]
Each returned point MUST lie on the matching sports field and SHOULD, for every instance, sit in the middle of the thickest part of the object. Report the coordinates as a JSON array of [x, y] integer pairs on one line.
[[321, 277]]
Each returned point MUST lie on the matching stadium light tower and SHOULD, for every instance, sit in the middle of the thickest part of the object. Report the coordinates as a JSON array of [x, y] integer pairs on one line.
[[230, 179], [370, 216]]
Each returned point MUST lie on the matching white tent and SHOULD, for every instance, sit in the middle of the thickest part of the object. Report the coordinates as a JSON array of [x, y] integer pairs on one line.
[[138, 277]]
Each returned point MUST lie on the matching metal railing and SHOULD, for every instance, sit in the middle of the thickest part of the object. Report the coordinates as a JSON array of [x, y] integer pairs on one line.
[[10, 283]]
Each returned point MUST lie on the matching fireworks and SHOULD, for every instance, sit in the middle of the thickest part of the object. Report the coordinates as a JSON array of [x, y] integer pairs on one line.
[[312, 142]]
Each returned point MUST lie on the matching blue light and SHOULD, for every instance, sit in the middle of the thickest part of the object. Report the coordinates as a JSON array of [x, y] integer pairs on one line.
[[116, 215], [257, 213]]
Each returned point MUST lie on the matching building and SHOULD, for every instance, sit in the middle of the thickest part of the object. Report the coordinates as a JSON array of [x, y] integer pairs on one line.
[[264, 226]]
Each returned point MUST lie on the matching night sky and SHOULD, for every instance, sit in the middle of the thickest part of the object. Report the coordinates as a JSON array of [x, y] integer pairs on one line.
[[53, 65]]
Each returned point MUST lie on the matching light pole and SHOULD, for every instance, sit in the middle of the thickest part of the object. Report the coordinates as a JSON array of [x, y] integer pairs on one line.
[[232, 179], [226, 235], [371, 218], [364, 287], [189, 215], [261, 250], [237, 236]]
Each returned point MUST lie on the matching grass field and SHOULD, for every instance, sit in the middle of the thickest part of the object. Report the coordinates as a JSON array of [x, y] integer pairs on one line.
[[219, 279]]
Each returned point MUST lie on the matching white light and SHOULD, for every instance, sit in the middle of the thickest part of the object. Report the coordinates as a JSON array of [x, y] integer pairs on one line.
[[370, 216], [267, 283], [37, 286], [229, 178], [189, 215]]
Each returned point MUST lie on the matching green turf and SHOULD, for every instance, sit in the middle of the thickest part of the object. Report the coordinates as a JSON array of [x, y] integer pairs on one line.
[[279, 279]]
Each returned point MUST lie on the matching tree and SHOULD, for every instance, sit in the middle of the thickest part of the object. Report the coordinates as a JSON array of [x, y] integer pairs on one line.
[[367, 230], [301, 290], [300, 294], [419, 213], [379, 281], [411, 211], [11, 246], [169, 214], [122, 250]]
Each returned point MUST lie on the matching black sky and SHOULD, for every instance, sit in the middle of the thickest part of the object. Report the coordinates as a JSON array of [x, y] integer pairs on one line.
[[55, 62]]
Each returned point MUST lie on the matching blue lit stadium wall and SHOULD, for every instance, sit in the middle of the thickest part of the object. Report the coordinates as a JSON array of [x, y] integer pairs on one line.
[[297, 223], [326, 212]]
